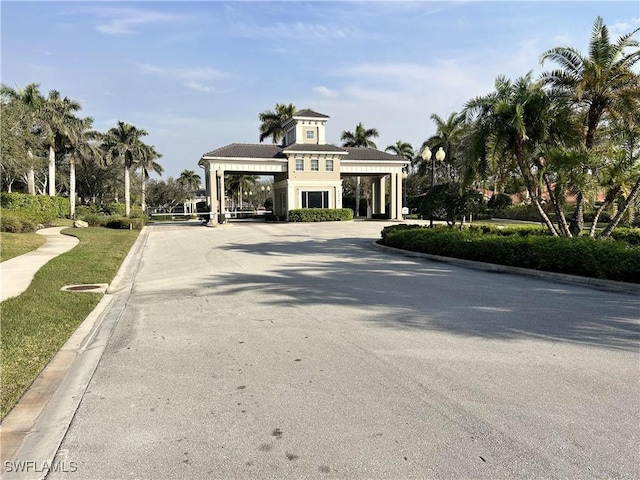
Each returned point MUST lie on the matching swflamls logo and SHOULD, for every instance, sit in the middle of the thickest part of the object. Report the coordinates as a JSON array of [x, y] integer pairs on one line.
[[25, 466]]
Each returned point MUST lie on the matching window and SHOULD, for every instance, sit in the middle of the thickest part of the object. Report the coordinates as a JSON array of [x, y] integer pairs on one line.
[[315, 165], [328, 165], [310, 134], [300, 164], [315, 199]]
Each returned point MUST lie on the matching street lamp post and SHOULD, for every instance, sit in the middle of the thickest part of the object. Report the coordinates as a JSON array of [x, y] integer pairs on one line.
[[405, 175], [264, 195], [426, 156]]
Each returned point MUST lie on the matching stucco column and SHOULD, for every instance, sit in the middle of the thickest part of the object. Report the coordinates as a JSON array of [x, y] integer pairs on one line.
[[292, 200], [382, 190], [207, 187], [223, 207], [393, 206], [399, 196], [213, 196]]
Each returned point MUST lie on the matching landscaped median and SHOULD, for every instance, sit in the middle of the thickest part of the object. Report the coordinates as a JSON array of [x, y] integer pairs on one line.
[[39, 321], [526, 248]]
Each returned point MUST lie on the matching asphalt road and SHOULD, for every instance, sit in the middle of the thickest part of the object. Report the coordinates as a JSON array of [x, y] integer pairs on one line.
[[297, 351]]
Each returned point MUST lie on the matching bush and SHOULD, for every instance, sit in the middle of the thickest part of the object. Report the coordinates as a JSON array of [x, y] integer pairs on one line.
[[629, 235], [93, 219], [19, 221], [123, 223], [582, 256], [320, 214], [499, 201], [528, 213], [48, 207]]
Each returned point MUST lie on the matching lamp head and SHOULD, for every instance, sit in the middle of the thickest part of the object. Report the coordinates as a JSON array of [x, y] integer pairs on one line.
[[440, 154], [426, 154]]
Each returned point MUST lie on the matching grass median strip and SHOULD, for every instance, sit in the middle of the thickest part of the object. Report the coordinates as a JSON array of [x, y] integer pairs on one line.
[[37, 323], [14, 244]]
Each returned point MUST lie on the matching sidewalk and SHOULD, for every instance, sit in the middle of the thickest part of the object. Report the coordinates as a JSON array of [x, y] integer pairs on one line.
[[17, 273]]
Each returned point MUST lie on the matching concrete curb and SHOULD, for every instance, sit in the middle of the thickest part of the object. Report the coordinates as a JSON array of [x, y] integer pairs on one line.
[[597, 283], [35, 428]]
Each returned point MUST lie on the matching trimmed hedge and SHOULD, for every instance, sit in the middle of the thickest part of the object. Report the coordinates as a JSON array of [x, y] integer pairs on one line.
[[49, 208], [320, 214], [18, 221], [584, 256]]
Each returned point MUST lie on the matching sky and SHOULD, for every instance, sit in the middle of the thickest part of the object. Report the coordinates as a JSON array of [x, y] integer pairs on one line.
[[195, 75]]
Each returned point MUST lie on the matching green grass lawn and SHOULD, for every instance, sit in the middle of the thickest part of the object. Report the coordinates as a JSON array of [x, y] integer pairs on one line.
[[37, 323], [14, 244]]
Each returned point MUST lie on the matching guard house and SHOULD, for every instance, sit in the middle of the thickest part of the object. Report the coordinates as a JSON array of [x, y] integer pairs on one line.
[[307, 172]]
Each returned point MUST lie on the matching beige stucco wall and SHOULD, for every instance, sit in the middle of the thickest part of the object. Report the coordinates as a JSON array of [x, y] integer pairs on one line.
[[321, 174]]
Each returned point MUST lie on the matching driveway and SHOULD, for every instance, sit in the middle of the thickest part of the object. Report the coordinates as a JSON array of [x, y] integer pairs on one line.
[[297, 351]]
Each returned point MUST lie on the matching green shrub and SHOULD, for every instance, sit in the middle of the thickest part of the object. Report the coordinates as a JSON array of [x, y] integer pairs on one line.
[[93, 219], [123, 223], [582, 256], [21, 221], [320, 214], [527, 213], [50, 207], [113, 209], [629, 235], [499, 201]]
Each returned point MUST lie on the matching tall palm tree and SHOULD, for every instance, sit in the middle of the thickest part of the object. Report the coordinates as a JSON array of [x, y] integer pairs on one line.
[[600, 84], [448, 137], [271, 122], [402, 149], [517, 113], [33, 102], [190, 179], [237, 184], [361, 137], [80, 142], [147, 165], [58, 118], [123, 142]]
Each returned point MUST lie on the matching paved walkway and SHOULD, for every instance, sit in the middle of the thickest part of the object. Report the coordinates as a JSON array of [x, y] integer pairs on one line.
[[17, 273]]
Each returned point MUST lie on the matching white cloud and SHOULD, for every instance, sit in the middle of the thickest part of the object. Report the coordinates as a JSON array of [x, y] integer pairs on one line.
[[193, 78], [122, 21], [624, 27], [325, 92], [298, 31]]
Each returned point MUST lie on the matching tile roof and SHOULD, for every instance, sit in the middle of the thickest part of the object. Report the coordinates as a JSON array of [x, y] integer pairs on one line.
[[309, 113], [312, 147], [247, 150], [269, 151], [362, 153]]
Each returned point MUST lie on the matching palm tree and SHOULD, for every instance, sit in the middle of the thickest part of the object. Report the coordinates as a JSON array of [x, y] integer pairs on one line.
[[271, 122], [57, 114], [32, 102], [515, 116], [600, 84], [81, 142], [190, 179], [147, 164], [123, 142], [448, 137], [402, 149], [237, 184], [360, 138]]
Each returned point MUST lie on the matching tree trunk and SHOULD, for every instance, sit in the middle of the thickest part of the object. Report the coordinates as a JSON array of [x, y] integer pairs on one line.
[[611, 195], [127, 192], [577, 219], [52, 172], [31, 176], [143, 196], [72, 188], [562, 221], [621, 211], [530, 183]]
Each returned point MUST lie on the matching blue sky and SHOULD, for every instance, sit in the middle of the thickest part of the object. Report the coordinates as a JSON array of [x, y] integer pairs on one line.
[[195, 75]]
